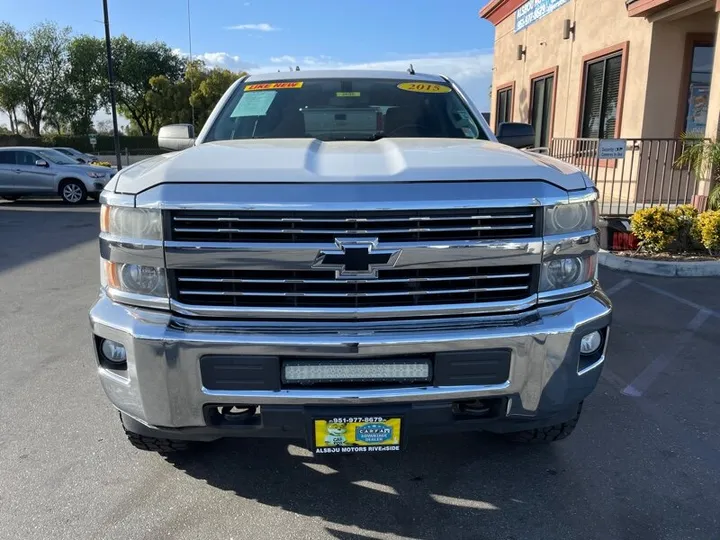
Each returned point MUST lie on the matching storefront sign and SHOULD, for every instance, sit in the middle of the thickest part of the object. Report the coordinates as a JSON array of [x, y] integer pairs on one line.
[[697, 108], [534, 10]]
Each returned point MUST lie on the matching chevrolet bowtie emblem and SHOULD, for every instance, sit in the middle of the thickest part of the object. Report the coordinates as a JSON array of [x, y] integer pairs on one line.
[[356, 258]]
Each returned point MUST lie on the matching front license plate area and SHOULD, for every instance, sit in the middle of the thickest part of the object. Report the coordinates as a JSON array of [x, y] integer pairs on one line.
[[356, 434]]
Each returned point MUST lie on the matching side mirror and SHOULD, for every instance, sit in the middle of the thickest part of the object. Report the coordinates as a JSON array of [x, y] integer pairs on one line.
[[41, 163], [176, 136], [516, 134]]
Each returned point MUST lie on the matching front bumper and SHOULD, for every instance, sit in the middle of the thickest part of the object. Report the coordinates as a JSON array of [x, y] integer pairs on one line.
[[162, 386]]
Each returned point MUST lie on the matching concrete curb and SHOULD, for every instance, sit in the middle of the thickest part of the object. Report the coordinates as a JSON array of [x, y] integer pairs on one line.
[[659, 268]]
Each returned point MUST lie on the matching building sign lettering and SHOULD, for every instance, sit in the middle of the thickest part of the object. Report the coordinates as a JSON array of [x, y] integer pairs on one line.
[[534, 10]]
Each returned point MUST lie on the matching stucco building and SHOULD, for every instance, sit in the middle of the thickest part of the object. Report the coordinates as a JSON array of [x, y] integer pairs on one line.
[[607, 68]]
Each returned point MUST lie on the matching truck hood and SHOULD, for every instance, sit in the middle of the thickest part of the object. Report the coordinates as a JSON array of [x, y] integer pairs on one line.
[[312, 160]]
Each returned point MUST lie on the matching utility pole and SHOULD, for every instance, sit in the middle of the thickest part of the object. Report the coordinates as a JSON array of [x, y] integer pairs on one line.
[[111, 81], [192, 107]]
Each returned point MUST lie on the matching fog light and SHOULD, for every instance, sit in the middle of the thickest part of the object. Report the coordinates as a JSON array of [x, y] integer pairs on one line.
[[590, 343], [113, 352]]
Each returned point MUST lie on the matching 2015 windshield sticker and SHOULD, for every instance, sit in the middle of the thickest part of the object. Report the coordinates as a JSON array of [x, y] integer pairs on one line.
[[424, 88], [273, 86], [347, 94], [255, 104]]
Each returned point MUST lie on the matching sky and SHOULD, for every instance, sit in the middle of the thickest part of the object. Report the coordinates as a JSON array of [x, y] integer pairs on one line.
[[436, 36]]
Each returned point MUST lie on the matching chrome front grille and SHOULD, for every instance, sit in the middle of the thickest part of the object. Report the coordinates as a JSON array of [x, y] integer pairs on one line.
[[386, 226], [321, 289]]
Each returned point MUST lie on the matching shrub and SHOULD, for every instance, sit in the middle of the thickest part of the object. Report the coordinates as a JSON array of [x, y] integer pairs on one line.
[[709, 226], [655, 228], [688, 234], [101, 163]]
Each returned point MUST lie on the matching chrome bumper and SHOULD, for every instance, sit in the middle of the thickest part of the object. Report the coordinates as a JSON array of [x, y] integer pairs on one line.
[[162, 385]]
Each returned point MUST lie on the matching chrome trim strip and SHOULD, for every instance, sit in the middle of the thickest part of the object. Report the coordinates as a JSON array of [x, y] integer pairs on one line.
[[123, 250], [351, 294], [567, 294], [350, 220], [210, 230], [353, 313], [583, 243], [583, 195], [141, 300], [592, 366], [284, 256], [414, 394], [352, 196], [117, 199], [336, 281]]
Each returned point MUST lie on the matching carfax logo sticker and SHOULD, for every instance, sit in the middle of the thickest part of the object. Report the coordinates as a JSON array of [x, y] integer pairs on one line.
[[273, 86]]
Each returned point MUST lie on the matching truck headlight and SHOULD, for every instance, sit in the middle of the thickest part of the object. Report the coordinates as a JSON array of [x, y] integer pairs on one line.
[[568, 218], [139, 223], [567, 272], [134, 278]]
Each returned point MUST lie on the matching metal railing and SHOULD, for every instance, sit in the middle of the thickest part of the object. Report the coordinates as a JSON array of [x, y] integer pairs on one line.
[[648, 175]]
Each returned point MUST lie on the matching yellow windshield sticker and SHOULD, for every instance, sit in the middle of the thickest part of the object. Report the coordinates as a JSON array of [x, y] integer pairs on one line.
[[425, 88], [273, 86], [347, 94]]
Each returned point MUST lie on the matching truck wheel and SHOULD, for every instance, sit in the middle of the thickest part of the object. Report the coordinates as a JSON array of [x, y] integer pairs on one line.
[[558, 432], [154, 444], [73, 192]]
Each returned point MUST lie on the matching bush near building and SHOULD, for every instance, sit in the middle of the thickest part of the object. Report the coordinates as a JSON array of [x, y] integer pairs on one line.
[[681, 230], [709, 227]]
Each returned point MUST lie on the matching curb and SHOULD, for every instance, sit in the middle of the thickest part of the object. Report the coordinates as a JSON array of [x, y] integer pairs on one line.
[[659, 268]]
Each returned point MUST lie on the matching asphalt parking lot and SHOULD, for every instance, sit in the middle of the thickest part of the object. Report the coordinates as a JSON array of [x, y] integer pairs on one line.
[[644, 462]]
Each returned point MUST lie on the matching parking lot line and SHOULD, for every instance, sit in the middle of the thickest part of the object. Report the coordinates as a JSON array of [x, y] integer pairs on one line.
[[618, 287], [679, 298], [642, 382]]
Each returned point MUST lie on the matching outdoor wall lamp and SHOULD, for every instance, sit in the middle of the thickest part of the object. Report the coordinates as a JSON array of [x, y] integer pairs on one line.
[[568, 28], [522, 51]]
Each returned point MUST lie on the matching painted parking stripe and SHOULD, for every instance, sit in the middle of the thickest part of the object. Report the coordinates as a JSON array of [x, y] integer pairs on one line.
[[618, 287], [643, 381], [679, 298]]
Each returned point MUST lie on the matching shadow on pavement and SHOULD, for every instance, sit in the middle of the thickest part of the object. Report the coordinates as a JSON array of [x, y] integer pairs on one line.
[[34, 229], [443, 487]]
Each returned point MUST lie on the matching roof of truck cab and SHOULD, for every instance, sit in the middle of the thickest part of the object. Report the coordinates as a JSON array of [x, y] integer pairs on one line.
[[344, 74]]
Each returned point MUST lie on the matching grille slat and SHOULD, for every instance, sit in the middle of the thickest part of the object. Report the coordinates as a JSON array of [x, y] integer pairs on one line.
[[276, 288], [396, 226]]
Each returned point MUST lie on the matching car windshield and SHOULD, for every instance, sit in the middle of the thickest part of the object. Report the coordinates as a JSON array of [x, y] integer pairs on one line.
[[344, 109], [68, 152], [55, 157]]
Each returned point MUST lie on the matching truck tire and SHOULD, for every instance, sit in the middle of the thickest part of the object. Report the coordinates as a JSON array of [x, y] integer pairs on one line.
[[154, 444], [549, 434]]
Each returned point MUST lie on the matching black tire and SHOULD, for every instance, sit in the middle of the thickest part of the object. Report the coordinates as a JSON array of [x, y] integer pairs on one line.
[[72, 192], [154, 444], [549, 434]]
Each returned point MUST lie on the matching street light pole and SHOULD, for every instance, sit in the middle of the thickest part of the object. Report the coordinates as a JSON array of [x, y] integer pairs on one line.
[[111, 81]]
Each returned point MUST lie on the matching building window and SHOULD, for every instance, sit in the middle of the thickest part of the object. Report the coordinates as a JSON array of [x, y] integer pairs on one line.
[[504, 106], [601, 96], [542, 97], [698, 89]]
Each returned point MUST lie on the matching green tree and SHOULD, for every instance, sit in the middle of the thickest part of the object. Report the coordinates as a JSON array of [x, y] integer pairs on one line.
[[33, 63], [208, 92], [10, 100], [135, 63]]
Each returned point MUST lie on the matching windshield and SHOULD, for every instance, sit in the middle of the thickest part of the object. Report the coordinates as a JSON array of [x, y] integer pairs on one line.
[[55, 157], [344, 109], [68, 151]]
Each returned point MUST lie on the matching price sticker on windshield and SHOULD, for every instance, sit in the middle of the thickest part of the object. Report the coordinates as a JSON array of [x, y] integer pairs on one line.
[[273, 86], [424, 88]]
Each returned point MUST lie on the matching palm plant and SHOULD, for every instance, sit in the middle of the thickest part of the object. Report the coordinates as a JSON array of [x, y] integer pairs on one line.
[[703, 157]]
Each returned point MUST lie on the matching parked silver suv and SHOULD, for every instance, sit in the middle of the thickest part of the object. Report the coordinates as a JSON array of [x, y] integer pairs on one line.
[[31, 171]]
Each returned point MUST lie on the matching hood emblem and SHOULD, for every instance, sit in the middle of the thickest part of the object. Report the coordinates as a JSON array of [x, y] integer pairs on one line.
[[356, 258]]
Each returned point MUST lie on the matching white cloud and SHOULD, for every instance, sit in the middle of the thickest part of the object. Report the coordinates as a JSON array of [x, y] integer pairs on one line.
[[470, 69], [261, 27], [284, 59], [220, 59]]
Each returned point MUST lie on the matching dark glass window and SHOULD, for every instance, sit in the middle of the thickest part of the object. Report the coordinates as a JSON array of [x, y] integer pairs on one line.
[[699, 88], [7, 157], [504, 106], [541, 109], [601, 97]]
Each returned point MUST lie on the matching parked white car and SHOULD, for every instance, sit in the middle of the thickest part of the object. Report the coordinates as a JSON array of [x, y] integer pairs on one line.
[[32, 171]]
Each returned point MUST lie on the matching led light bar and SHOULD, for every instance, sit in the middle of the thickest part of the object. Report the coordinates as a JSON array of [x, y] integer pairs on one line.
[[318, 371]]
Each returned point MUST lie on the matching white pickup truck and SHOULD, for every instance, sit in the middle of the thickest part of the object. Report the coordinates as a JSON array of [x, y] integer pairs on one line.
[[348, 258]]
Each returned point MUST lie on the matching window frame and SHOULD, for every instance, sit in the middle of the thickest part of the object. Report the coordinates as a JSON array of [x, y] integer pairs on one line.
[[621, 49], [691, 41], [504, 88], [536, 77]]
